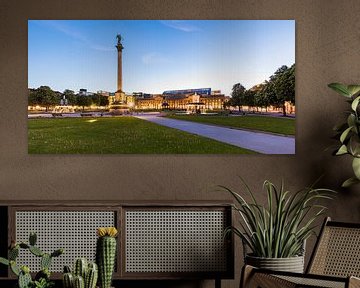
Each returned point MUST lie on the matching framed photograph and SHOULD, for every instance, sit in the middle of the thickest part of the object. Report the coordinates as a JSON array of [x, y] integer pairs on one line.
[[161, 87]]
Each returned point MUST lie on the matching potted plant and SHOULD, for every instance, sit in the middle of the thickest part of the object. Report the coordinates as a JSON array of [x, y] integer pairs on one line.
[[106, 254], [84, 274], [42, 278], [276, 233], [349, 132]]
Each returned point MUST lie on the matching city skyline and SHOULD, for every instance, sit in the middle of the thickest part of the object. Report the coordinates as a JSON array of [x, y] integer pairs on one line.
[[158, 55]]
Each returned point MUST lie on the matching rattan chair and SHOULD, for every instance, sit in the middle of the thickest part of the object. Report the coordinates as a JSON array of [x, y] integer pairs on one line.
[[334, 263]]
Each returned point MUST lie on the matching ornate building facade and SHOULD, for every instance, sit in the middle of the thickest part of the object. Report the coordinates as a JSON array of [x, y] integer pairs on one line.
[[191, 102]]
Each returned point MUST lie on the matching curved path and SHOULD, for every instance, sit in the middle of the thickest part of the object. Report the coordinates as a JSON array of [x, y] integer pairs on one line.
[[257, 141]]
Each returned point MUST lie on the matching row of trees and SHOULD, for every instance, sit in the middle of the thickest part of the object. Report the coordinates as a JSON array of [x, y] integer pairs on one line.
[[280, 88], [46, 97]]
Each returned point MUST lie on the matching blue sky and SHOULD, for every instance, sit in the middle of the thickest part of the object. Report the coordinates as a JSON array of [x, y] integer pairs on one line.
[[158, 55]]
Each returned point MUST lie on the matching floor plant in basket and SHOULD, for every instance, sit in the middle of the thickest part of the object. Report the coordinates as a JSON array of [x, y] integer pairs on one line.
[[275, 233]]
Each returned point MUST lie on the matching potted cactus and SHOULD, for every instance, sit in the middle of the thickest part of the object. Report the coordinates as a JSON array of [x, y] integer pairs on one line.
[[85, 275], [42, 278], [106, 254]]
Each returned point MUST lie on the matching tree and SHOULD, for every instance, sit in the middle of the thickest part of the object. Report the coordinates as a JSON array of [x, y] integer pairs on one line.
[[261, 99], [237, 95], [43, 96], [99, 100], [283, 83], [95, 99], [270, 95], [249, 98], [70, 96], [104, 101], [290, 79], [32, 99], [83, 100]]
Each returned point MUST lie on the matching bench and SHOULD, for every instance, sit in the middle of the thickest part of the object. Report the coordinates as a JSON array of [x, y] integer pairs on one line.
[[86, 114]]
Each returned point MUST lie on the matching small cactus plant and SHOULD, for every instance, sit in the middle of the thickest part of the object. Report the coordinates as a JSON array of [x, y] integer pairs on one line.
[[106, 254], [42, 278], [79, 282], [91, 276], [80, 267], [25, 279], [85, 275]]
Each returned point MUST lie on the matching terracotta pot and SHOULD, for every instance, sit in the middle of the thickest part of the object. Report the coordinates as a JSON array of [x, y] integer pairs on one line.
[[291, 264]]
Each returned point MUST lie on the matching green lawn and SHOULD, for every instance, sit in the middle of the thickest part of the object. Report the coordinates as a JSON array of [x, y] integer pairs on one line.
[[120, 135], [278, 125]]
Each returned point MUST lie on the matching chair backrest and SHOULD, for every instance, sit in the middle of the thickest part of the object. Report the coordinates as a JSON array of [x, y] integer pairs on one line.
[[337, 251]]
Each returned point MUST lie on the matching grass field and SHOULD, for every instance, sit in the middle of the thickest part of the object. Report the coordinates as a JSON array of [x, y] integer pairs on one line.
[[120, 135], [278, 125]]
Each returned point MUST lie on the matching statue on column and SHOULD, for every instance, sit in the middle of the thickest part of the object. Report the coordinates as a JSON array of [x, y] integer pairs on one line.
[[118, 37], [119, 46]]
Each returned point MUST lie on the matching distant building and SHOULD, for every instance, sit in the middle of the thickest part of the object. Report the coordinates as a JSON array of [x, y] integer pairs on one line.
[[84, 92], [201, 91], [103, 93], [188, 100]]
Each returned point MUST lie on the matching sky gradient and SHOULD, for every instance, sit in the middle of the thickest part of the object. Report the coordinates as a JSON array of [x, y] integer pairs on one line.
[[158, 55]]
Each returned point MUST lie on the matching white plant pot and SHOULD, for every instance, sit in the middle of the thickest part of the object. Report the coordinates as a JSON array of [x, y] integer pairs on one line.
[[291, 264]]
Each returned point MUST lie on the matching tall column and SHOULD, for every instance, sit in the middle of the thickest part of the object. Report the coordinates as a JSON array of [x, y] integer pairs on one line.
[[119, 95], [119, 74]]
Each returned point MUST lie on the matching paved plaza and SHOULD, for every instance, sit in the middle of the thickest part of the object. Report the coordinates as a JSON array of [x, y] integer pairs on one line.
[[257, 141]]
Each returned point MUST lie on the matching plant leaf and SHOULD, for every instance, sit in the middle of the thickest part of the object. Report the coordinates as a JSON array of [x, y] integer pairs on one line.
[[4, 261], [355, 103], [354, 145], [340, 88], [356, 167], [342, 150], [351, 119], [349, 182], [353, 90], [345, 134]]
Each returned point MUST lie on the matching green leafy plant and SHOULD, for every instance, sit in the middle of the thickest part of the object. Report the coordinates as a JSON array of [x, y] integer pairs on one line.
[[349, 132], [279, 229], [43, 283], [42, 278]]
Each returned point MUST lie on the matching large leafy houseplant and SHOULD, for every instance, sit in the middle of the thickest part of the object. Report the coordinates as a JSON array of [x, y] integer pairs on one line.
[[349, 131], [280, 228]]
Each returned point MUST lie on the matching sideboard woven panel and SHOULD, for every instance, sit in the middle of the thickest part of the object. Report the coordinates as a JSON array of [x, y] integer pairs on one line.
[[175, 241], [75, 231]]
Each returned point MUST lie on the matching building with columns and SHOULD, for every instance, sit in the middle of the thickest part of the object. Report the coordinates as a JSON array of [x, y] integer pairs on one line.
[[191, 101]]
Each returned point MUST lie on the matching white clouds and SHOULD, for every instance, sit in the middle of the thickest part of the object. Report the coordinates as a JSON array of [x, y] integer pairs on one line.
[[182, 25], [62, 27], [154, 58]]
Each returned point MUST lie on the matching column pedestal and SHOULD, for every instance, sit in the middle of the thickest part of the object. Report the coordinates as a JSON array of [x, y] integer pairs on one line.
[[120, 97]]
